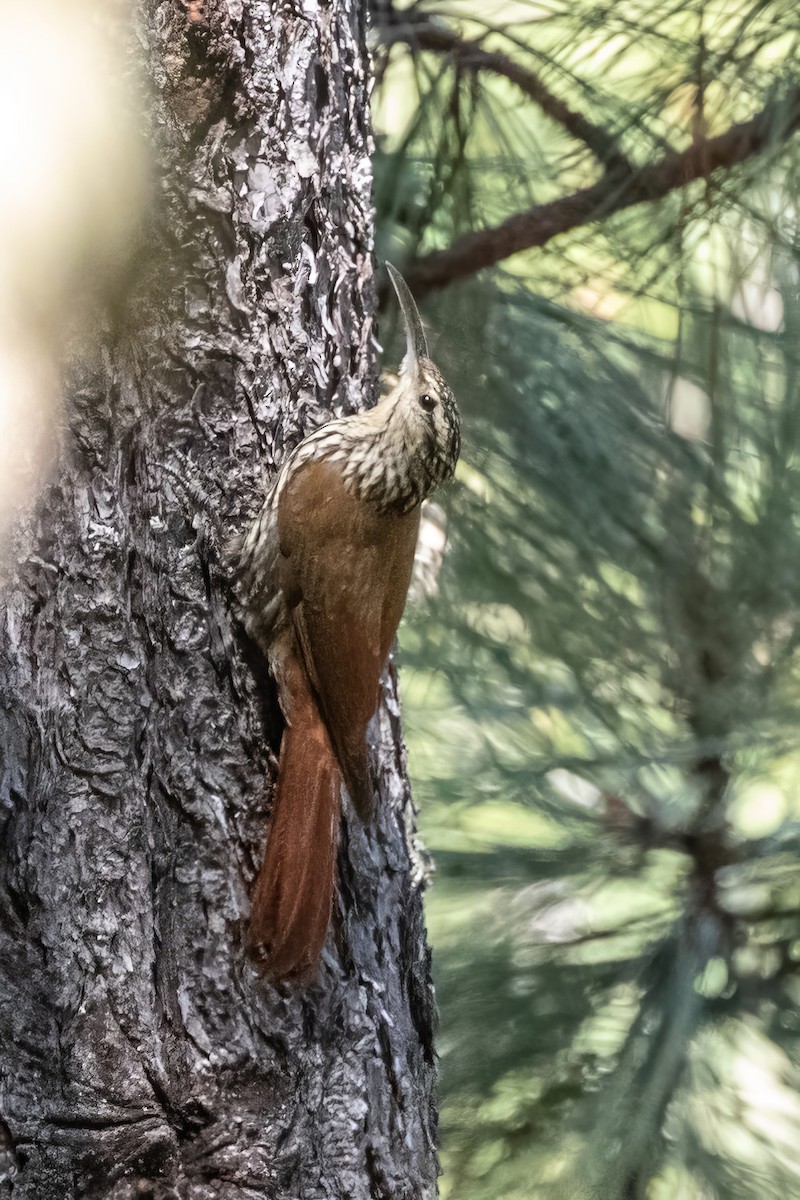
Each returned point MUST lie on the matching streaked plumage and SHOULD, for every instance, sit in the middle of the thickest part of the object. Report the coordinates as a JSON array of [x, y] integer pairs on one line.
[[325, 570]]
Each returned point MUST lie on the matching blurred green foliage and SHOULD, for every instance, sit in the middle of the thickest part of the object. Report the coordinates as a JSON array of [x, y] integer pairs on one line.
[[603, 700]]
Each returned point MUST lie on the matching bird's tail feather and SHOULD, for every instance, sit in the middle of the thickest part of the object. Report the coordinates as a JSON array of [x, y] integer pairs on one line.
[[293, 895]]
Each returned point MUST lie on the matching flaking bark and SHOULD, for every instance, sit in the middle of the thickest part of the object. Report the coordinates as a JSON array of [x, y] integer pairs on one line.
[[142, 1053]]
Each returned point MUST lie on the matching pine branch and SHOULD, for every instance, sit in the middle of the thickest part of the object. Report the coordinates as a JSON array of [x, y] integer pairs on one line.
[[775, 124], [421, 32]]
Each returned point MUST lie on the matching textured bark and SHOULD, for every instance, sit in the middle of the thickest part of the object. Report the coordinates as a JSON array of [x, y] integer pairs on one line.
[[142, 1053]]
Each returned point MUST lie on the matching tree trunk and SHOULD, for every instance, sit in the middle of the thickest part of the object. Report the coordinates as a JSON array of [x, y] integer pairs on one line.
[[142, 1053]]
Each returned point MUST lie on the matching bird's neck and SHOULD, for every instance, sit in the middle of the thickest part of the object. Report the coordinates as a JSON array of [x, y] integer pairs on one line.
[[388, 459], [384, 457]]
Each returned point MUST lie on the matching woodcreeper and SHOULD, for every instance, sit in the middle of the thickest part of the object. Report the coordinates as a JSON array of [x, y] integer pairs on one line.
[[325, 570]]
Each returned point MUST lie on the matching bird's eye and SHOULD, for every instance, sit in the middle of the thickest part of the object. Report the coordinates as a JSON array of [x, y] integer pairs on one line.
[[427, 402]]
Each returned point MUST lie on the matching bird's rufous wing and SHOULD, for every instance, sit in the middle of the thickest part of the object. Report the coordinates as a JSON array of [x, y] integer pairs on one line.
[[345, 570]]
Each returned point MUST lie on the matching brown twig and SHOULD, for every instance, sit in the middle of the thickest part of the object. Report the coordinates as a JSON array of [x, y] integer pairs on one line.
[[421, 33], [536, 226]]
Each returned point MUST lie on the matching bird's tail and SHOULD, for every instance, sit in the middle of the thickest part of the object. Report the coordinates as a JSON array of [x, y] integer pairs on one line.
[[293, 895]]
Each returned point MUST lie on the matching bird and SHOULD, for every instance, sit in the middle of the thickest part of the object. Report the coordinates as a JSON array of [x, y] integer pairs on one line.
[[323, 575]]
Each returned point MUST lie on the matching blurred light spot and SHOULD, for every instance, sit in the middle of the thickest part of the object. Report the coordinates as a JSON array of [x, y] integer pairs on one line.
[[477, 483], [573, 787], [688, 410], [600, 299], [713, 980], [759, 809], [742, 899], [757, 301], [71, 189], [72, 158], [430, 551]]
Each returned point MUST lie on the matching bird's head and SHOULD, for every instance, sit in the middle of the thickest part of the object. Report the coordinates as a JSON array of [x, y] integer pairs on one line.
[[422, 398]]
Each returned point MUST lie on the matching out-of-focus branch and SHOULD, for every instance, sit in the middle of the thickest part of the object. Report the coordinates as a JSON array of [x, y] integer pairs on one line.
[[775, 124], [421, 32]]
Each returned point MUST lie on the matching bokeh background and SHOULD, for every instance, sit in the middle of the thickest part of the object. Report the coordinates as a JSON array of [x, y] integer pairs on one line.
[[602, 699]]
